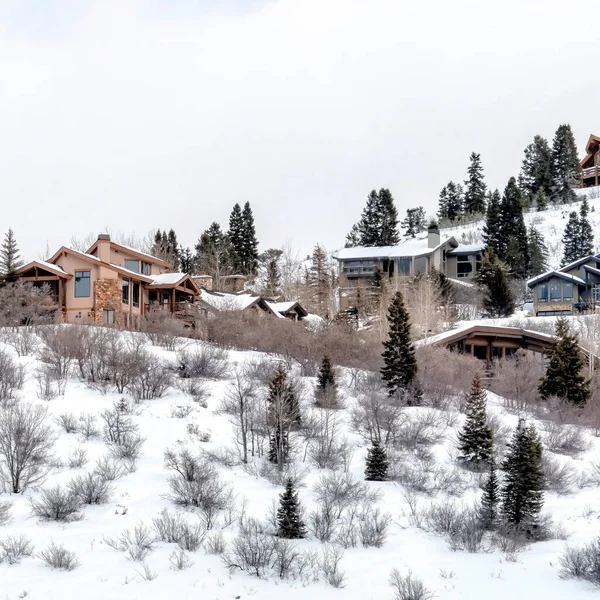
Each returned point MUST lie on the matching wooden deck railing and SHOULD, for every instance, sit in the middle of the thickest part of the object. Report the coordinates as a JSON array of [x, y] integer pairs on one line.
[[590, 172]]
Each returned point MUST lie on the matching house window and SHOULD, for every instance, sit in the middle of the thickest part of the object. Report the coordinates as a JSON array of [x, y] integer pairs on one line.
[[359, 267], [146, 268], [464, 268], [543, 292], [82, 284], [136, 294], [596, 294], [125, 290], [133, 265], [108, 317], [421, 264], [567, 291], [555, 292], [404, 266]]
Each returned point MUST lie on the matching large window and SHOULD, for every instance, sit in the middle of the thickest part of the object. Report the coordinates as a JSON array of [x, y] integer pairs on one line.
[[543, 292], [108, 317], [146, 268], [464, 267], [596, 293], [82, 284], [404, 266], [359, 267], [421, 264], [567, 291], [555, 295], [125, 290], [133, 265], [136, 294]]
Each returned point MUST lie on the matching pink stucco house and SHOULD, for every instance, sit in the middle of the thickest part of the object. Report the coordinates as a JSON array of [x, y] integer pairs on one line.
[[111, 284]]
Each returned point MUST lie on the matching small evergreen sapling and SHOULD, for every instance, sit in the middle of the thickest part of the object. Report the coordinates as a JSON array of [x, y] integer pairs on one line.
[[475, 440], [326, 396], [377, 464], [289, 514], [488, 511]]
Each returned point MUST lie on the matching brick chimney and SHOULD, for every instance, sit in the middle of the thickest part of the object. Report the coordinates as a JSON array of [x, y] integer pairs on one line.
[[433, 236], [104, 247]]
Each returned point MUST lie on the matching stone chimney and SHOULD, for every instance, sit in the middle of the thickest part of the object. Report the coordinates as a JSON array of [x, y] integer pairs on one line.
[[104, 247], [433, 236]]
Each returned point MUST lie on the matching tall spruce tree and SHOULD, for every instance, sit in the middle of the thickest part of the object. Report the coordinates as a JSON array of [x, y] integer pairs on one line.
[[570, 240], [536, 171], [235, 235], [377, 464], [566, 169], [400, 363], [326, 393], [414, 222], [9, 254], [443, 204], [249, 247], [540, 200], [491, 230], [378, 225], [490, 499], [586, 233], [475, 442], [454, 201], [289, 514], [564, 372], [474, 200], [213, 254], [388, 219], [538, 252], [521, 493], [320, 277], [269, 263], [498, 300], [186, 261], [517, 256]]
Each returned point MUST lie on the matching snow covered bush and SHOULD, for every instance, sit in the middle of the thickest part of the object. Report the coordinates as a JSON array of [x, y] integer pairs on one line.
[[152, 380], [68, 421], [180, 561], [15, 547], [205, 361], [56, 504], [252, 550], [136, 544], [5, 512], [565, 439], [408, 587], [58, 557], [23, 339], [88, 426], [581, 563], [558, 476], [174, 529], [12, 377], [77, 458], [90, 488], [109, 468]]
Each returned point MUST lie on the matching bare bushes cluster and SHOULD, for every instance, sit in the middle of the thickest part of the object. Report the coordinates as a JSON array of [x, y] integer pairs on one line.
[[202, 360], [122, 436], [12, 377], [56, 504], [172, 528], [162, 329], [581, 562], [197, 484], [58, 557], [23, 340], [5, 512], [558, 476], [14, 548], [570, 440], [57, 353], [408, 587], [25, 303], [91, 488], [327, 448], [137, 544]]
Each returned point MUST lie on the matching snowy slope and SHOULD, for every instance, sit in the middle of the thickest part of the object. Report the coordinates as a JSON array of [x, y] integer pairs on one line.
[[550, 223], [106, 574]]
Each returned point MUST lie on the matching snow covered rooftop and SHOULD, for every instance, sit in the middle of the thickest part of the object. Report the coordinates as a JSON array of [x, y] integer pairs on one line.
[[166, 278], [560, 274], [222, 301], [467, 249], [51, 266]]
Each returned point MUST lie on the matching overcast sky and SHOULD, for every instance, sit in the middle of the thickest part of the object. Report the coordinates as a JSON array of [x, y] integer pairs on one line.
[[133, 115]]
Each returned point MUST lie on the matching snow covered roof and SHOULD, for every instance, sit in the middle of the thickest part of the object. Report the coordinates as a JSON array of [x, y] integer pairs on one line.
[[591, 270], [44, 265], [132, 273], [283, 307], [559, 274], [467, 249], [580, 261], [222, 301], [417, 246], [166, 278], [51, 266]]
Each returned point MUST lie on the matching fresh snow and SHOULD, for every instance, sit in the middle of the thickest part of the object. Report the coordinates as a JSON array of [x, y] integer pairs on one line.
[[106, 573]]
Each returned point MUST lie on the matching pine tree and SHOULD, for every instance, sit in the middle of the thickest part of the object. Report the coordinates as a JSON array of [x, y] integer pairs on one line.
[[353, 238], [213, 254], [319, 281], [475, 440], [377, 464], [236, 235], [400, 363], [564, 373], [326, 376], [570, 240], [566, 169], [269, 262], [491, 229], [488, 511], [521, 493], [586, 233], [498, 300], [249, 242], [443, 204], [474, 201], [540, 200], [186, 261], [538, 252], [378, 225], [9, 254], [536, 171], [388, 234], [289, 518], [173, 250], [414, 222], [517, 256], [444, 285], [454, 201]]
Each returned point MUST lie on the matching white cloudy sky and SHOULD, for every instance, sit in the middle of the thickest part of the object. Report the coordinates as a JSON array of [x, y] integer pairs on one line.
[[132, 115]]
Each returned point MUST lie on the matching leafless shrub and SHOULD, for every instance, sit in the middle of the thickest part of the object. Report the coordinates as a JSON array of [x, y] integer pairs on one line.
[[47, 386], [408, 587], [420, 428], [88, 426], [90, 488], [215, 544], [205, 361], [198, 390], [581, 563], [510, 542], [146, 572], [56, 504], [278, 477], [58, 351], [23, 303], [468, 534], [565, 439], [128, 450], [221, 455], [136, 544], [558, 476], [501, 431], [68, 421], [161, 329], [12, 377], [5, 512], [373, 527], [117, 426], [252, 550], [26, 444], [261, 370], [13, 548], [181, 411], [152, 381], [327, 449], [329, 565], [180, 560], [109, 469], [58, 557], [77, 459], [23, 339], [174, 529]]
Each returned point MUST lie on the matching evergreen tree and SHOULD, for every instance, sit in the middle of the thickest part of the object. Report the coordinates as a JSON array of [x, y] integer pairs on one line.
[[474, 201], [488, 511], [167, 248], [186, 261], [289, 519], [586, 233], [570, 240], [249, 242], [378, 225], [454, 201], [538, 253], [540, 200], [443, 204], [283, 413], [414, 222], [536, 171], [269, 262], [9, 254], [491, 229], [353, 238], [320, 279], [377, 464], [236, 238], [475, 440], [498, 300], [173, 249], [400, 363], [564, 373], [213, 254], [326, 393], [517, 252], [566, 169], [521, 493], [444, 285]]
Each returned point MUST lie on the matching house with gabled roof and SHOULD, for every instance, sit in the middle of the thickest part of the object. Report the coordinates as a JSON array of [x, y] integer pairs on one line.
[[572, 289], [111, 284]]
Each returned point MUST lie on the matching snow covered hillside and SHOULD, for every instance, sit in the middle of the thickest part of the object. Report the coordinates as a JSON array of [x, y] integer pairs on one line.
[[176, 421], [550, 223]]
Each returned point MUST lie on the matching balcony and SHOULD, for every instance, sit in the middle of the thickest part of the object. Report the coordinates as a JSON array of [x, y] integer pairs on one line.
[[178, 307], [590, 176]]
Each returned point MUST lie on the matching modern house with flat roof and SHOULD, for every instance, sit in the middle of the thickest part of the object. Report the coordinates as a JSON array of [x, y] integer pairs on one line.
[[110, 284], [420, 254]]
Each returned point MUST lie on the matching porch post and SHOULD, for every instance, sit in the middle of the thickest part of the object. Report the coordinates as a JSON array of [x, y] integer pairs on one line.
[[173, 300]]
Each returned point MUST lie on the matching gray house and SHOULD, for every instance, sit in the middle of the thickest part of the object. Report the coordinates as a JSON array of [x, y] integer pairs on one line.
[[573, 289]]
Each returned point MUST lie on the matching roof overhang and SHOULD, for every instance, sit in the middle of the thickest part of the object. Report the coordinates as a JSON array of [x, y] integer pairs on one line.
[[45, 266], [549, 274], [126, 250]]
